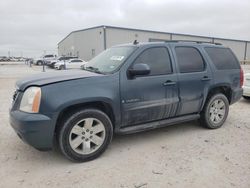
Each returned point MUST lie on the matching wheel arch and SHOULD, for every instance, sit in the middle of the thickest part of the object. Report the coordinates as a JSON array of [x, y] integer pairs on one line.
[[39, 61], [100, 105], [224, 89]]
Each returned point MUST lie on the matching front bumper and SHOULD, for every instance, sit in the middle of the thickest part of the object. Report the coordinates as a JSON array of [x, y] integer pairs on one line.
[[246, 91], [34, 129]]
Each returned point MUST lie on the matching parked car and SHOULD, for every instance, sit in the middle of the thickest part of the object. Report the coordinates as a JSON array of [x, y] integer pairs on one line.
[[70, 64], [126, 89], [52, 63], [44, 59], [246, 87], [4, 58]]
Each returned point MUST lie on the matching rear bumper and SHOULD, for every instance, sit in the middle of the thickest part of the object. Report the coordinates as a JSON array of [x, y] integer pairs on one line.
[[246, 91], [34, 129], [236, 95]]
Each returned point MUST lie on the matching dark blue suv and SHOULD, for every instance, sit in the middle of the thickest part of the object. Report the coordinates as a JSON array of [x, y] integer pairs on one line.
[[126, 89]]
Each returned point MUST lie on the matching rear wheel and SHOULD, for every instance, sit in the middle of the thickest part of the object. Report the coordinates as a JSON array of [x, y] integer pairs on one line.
[[85, 135], [215, 111]]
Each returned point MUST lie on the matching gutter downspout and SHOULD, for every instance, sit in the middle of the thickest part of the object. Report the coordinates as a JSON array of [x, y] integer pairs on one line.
[[104, 38]]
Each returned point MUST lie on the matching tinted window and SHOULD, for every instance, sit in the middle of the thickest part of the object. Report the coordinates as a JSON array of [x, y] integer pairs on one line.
[[63, 58], [76, 61], [66, 58], [157, 59], [222, 58], [189, 59], [47, 56]]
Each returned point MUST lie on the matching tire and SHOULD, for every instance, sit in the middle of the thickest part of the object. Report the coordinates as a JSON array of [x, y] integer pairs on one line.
[[215, 111], [62, 67], [39, 63], [246, 97], [77, 139]]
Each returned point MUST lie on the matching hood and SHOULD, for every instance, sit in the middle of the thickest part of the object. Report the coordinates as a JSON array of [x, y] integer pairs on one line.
[[53, 77]]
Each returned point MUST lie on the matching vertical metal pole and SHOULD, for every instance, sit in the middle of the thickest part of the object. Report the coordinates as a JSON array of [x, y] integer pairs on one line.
[[104, 38], [245, 54], [44, 60], [43, 65]]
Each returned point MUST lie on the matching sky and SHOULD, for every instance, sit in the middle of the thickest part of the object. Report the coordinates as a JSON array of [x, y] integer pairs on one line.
[[31, 28]]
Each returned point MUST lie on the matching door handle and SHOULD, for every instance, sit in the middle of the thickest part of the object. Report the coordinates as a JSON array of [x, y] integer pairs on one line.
[[205, 78], [169, 83]]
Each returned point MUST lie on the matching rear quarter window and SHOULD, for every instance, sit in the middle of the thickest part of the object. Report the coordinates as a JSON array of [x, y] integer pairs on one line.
[[222, 58]]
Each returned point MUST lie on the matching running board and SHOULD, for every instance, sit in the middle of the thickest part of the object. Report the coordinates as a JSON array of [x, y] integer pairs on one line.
[[157, 124]]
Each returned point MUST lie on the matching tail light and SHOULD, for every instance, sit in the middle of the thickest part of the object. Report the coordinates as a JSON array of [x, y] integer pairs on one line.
[[241, 77]]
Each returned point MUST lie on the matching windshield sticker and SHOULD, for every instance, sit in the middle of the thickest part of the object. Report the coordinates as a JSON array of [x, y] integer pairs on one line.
[[117, 58]]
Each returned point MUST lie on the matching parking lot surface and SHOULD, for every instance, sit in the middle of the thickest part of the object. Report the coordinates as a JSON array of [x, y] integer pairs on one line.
[[183, 155]]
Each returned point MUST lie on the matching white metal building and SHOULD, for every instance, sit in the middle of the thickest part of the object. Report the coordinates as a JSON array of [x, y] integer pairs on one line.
[[87, 43]]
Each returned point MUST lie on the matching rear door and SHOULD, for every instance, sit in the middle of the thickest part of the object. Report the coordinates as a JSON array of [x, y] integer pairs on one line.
[[194, 78], [151, 97]]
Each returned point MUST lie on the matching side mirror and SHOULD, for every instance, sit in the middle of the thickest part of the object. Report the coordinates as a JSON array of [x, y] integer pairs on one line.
[[139, 69]]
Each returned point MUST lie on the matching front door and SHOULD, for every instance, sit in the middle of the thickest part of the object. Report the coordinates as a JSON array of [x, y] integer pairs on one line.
[[151, 97]]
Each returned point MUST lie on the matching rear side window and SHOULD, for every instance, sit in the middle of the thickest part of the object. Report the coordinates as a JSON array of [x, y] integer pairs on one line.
[[76, 60], [157, 59], [222, 58], [189, 59], [48, 56]]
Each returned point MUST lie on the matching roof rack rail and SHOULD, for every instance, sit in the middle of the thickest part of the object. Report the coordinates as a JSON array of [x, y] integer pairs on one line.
[[198, 42]]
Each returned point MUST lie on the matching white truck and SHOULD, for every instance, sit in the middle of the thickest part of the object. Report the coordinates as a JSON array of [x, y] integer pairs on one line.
[[44, 59]]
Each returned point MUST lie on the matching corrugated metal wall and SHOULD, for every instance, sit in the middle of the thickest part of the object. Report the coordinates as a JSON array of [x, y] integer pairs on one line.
[[187, 37], [85, 44], [248, 51], [64, 48], [90, 42], [237, 47], [120, 36]]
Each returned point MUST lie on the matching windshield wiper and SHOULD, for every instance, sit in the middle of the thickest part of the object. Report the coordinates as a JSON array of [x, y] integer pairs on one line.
[[93, 69]]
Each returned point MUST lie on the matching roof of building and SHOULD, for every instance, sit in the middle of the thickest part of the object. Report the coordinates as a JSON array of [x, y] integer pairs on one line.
[[151, 31]]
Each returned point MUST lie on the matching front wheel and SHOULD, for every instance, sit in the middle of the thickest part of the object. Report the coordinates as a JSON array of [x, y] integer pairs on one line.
[[85, 135], [215, 111], [39, 63], [61, 67]]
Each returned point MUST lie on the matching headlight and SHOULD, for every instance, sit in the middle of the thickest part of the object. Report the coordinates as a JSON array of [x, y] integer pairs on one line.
[[31, 100]]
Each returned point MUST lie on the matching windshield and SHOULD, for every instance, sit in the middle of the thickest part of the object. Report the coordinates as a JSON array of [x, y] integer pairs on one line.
[[109, 60]]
